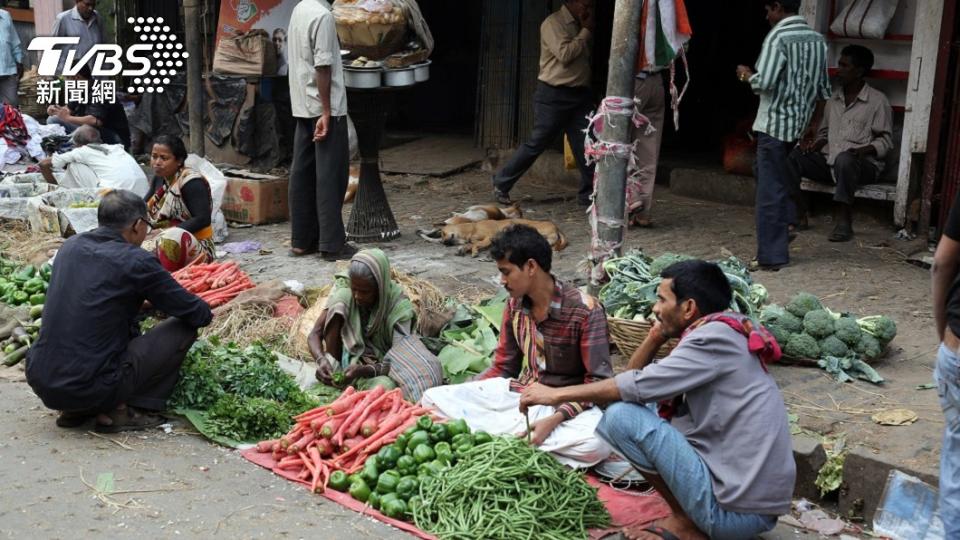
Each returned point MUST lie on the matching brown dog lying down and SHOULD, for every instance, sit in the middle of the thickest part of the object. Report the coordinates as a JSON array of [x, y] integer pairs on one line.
[[483, 212], [474, 237]]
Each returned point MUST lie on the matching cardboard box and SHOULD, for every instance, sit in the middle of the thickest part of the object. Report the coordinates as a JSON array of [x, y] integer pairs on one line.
[[251, 55], [255, 198]]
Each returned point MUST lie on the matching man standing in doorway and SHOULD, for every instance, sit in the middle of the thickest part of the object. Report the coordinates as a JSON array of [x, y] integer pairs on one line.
[[562, 99], [793, 85], [82, 22], [853, 140], [11, 59], [321, 156]]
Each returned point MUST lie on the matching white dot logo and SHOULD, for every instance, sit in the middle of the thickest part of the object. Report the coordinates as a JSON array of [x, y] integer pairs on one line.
[[161, 44]]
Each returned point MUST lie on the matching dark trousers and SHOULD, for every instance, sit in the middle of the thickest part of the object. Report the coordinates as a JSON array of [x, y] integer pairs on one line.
[[848, 173], [151, 364], [318, 181], [774, 207], [556, 109]]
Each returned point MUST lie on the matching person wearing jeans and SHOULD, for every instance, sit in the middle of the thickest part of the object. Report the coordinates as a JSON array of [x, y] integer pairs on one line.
[[792, 82], [719, 451], [945, 278]]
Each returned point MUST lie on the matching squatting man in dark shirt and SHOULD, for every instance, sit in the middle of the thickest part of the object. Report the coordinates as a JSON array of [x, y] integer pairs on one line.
[[90, 360]]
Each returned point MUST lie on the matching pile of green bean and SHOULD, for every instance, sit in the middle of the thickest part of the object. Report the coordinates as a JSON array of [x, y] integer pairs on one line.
[[509, 489]]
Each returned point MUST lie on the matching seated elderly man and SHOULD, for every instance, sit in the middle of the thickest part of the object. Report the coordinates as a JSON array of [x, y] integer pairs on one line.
[[109, 118], [90, 359], [552, 334], [92, 164], [719, 451]]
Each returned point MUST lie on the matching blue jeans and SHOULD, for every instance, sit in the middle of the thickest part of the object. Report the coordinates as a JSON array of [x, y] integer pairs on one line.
[[947, 377], [774, 209], [652, 445]]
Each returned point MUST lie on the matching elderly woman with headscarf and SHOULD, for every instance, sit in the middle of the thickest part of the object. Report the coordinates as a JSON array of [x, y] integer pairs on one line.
[[365, 312]]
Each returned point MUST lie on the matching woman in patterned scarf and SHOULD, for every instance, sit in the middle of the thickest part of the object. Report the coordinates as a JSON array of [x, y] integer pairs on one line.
[[365, 313], [179, 201]]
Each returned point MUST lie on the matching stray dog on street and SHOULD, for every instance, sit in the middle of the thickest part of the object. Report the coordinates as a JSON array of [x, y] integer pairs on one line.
[[475, 237]]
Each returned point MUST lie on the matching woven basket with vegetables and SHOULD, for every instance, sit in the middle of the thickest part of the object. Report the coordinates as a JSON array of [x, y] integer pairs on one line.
[[630, 294]]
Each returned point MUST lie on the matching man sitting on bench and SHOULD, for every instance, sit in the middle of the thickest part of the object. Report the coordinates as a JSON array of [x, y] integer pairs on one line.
[[852, 142]]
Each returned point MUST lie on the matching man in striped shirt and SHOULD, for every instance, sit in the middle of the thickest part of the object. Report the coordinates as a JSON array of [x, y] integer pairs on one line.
[[552, 334], [793, 85]]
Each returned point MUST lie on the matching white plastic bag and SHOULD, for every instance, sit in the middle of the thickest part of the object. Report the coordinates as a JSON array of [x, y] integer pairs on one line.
[[864, 19], [218, 185]]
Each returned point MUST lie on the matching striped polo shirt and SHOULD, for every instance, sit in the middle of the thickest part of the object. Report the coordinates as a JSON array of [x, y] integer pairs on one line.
[[791, 76]]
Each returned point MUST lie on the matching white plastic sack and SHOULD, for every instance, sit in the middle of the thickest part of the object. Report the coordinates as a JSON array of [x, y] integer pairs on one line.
[[353, 145], [864, 19], [218, 185], [51, 212], [490, 406]]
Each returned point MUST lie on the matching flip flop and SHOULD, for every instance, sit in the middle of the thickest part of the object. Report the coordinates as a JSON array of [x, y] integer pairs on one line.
[[661, 532], [302, 252], [129, 422]]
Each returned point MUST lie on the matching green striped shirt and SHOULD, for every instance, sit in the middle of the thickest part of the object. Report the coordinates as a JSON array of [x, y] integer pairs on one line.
[[791, 76]]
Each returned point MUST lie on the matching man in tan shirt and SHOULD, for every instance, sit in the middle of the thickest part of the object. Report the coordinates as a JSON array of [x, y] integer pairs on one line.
[[852, 142], [562, 99]]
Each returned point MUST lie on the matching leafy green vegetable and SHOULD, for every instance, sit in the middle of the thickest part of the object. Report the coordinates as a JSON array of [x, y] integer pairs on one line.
[[879, 326], [249, 418], [659, 264], [831, 474]]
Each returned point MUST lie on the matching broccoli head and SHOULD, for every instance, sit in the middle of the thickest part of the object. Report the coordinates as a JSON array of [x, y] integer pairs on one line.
[[818, 323], [847, 329], [776, 315], [879, 326], [869, 346], [832, 346], [802, 346], [663, 261], [778, 333], [803, 303]]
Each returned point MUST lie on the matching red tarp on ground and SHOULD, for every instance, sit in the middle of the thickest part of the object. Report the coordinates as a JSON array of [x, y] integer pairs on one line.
[[626, 508]]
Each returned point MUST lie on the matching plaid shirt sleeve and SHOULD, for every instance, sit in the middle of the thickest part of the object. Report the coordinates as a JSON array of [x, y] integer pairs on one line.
[[507, 358], [595, 353]]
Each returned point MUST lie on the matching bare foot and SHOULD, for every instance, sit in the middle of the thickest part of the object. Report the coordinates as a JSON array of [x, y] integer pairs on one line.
[[680, 527]]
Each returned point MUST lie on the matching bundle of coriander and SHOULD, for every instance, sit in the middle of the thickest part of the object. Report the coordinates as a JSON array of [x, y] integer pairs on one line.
[[508, 489]]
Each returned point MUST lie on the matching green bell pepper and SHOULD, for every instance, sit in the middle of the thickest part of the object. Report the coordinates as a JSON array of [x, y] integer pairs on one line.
[[46, 270], [418, 438], [33, 286], [460, 439], [374, 500], [444, 452], [481, 437], [408, 487], [462, 448], [360, 491], [424, 453], [440, 432], [457, 427], [19, 298], [425, 423], [387, 457], [25, 274], [354, 477], [413, 504], [370, 472], [407, 465], [387, 483], [338, 481], [38, 299], [394, 508]]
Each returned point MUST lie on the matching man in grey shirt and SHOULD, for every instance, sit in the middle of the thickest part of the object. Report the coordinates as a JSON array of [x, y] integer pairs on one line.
[[81, 22], [723, 461]]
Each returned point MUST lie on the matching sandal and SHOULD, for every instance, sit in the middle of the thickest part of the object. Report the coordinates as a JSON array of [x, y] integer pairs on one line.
[[300, 252], [129, 420], [69, 419]]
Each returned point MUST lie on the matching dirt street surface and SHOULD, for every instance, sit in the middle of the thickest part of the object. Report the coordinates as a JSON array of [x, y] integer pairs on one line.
[[178, 485]]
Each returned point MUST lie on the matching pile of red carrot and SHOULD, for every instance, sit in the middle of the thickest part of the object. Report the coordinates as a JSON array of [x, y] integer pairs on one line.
[[214, 283], [341, 435]]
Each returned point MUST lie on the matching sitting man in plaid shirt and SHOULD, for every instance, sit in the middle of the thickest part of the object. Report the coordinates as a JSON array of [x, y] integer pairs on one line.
[[552, 334]]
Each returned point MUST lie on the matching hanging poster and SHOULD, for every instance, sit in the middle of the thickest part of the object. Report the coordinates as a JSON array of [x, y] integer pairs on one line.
[[272, 16]]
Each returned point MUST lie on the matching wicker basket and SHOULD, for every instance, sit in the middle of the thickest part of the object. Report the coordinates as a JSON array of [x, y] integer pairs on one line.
[[628, 334]]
